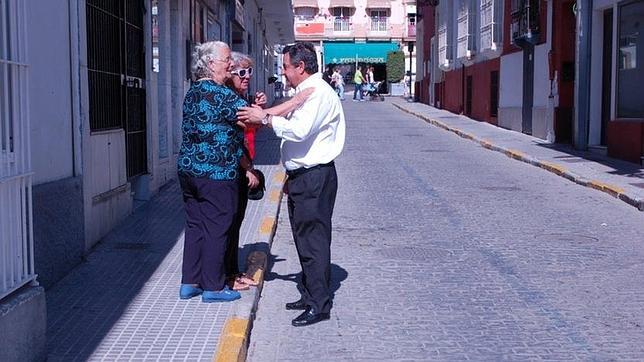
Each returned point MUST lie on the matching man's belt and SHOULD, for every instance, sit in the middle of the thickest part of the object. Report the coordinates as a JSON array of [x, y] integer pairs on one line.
[[302, 170]]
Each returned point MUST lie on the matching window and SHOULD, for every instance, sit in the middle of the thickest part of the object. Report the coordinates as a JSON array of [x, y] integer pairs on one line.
[[379, 20], [342, 19], [487, 24], [463, 25], [305, 13], [630, 63], [442, 44]]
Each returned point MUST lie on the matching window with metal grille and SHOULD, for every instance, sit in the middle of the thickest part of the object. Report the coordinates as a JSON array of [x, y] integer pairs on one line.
[[104, 64], [116, 74], [494, 93], [379, 20], [342, 19]]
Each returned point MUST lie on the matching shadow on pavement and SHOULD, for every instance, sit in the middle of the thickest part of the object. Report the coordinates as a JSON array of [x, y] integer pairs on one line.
[[620, 167], [338, 274]]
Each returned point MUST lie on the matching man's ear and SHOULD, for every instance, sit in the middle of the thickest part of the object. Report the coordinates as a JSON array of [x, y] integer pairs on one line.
[[302, 67]]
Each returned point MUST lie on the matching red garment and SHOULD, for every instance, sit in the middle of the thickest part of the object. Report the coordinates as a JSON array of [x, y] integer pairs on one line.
[[249, 140]]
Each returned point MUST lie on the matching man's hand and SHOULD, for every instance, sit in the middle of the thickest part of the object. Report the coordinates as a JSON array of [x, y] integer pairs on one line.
[[261, 99], [251, 115]]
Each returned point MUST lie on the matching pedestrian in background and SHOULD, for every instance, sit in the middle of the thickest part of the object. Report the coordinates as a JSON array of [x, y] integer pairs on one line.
[[358, 80], [339, 82], [209, 171], [312, 137]]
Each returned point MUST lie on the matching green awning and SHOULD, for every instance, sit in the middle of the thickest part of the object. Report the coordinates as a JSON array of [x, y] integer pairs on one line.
[[349, 52]]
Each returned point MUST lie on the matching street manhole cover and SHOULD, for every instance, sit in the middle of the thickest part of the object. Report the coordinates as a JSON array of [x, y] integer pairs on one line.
[[415, 254]]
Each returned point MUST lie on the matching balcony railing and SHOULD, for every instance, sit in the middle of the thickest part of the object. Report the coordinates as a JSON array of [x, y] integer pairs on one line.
[[525, 21], [379, 24], [341, 24]]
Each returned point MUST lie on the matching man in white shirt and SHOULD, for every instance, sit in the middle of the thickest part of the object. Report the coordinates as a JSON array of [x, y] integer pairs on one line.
[[312, 137]]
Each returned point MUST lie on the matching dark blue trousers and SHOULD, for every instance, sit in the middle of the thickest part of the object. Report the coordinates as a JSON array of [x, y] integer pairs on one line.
[[311, 197], [232, 251], [211, 208]]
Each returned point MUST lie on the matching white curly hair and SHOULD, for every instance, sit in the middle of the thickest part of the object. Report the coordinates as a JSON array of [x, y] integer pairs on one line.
[[203, 54]]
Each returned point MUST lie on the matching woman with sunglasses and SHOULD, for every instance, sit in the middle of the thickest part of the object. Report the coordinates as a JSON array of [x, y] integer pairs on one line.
[[239, 83]]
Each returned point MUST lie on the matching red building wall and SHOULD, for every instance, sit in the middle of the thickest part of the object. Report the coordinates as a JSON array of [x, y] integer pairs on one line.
[[455, 89], [625, 140], [428, 14]]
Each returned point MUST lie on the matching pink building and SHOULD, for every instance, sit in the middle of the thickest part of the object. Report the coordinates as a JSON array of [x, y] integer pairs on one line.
[[350, 32]]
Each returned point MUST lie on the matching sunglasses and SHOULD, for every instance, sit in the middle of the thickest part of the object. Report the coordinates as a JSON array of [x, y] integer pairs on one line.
[[243, 72]]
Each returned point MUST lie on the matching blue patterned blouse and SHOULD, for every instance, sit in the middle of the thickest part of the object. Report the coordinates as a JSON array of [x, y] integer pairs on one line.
[[212, 143]]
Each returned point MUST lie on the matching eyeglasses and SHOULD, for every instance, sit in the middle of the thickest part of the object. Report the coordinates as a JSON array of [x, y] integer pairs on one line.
[[242, 72], [225, 60]]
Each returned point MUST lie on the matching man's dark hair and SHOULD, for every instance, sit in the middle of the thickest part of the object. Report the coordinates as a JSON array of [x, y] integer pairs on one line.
[[303, 52]]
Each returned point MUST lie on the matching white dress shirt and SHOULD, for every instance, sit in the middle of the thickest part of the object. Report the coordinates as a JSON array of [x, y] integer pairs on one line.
[[314, 133]]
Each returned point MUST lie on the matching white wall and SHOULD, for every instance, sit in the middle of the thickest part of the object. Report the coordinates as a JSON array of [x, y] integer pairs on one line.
[[50, 93], [541, 76], [511, 80]]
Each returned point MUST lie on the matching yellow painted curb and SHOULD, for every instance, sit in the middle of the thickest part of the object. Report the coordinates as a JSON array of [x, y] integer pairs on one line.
[[602, 186], [232, 342], [517, 155], [279, 177], [267, 225], [553, 167], [275, 195]]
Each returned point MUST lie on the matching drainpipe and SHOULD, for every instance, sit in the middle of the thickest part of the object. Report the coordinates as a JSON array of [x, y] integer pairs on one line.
[[582, 74]]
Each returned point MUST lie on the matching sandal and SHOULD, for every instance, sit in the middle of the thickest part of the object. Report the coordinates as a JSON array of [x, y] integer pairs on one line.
[[237, 284], [245, 279]]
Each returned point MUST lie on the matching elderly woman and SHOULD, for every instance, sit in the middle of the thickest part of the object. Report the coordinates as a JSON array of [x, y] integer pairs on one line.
[[209, 172], [240, 82]]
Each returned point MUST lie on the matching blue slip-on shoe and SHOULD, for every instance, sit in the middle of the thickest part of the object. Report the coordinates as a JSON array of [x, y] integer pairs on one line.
[[224, 295], [188, 291]]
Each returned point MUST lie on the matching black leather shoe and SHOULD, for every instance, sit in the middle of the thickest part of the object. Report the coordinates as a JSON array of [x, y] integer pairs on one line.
[[299, 305], [310, 316]]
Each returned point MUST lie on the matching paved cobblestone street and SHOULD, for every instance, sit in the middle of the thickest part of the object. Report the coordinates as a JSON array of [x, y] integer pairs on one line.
[[444, 250]]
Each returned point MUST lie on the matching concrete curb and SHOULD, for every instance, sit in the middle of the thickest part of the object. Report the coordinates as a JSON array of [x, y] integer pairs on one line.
[[557, 169], [233, 341]]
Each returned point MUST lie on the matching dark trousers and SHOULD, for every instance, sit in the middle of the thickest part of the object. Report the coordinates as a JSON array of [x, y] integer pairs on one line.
[[357, 90], [211, 208], [311, 197], [232, 251]]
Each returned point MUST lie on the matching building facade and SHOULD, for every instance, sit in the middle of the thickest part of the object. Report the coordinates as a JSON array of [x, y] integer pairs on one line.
[[361, 32], [91, 95], [523, 65]]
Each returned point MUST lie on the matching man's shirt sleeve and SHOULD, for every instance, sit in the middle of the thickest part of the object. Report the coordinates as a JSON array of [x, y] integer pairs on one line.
[[304, 121]]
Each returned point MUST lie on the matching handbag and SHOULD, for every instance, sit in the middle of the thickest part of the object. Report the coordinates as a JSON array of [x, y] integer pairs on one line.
[[257, 193]]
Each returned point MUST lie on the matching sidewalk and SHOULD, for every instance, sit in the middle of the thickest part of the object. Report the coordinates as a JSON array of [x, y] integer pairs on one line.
[[123, 303], [621, 179]]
